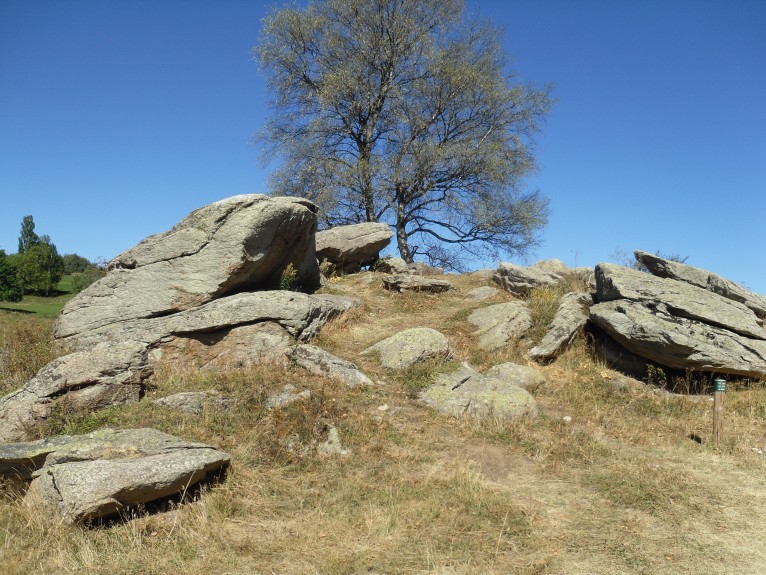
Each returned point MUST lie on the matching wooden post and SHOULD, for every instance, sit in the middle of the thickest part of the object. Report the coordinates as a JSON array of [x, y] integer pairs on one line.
[[720, 391]]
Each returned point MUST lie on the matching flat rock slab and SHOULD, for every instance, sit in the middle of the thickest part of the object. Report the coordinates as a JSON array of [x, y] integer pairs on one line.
[[86, 477], [569, 320], [497, 325], [243, 242], [654, 332], [521, 376], [403, 283], [348, 248], [664, 268], [409, 347], [469, 393], [682, 300]]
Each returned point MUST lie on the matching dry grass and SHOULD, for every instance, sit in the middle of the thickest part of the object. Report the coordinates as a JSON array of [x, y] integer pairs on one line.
[[619, 489]]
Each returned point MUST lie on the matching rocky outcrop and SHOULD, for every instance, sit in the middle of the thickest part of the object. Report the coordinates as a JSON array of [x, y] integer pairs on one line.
[[88, 477], [481, 293], [106, 374], [615, 282], [241, 243], [404, 283], [467, 392], [570, 318], [664, 268], [678, 324], [498, 324], [181, 297], [349, 248], [409, 347]]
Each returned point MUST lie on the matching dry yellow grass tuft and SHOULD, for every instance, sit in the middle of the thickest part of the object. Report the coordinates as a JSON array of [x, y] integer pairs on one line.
[[616, 487]]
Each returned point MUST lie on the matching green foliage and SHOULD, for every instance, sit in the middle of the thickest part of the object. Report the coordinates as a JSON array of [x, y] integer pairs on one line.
[[82, 280], [655, 375], [287, 280], [40, 268], [27, 237], [404, 112], [9, 284], [75, 264]]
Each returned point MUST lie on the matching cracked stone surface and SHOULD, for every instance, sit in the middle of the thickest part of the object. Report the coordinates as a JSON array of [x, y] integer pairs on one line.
[[701, 278], [86, 477], [243, 242], [409, 347], [468, 393], [496, 325], [404, 283], [569, 319]]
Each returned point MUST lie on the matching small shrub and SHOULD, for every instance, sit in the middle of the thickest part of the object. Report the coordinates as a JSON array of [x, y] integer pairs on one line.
[[288, 279]]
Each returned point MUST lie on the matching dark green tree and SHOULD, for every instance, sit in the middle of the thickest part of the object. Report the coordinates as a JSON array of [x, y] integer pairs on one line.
[[9, 283], [74, 263], [27, 237], [40, 268], [404, 112]]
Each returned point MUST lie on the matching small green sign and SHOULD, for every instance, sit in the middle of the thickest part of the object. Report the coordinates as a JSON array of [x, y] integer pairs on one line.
[[720, 384]]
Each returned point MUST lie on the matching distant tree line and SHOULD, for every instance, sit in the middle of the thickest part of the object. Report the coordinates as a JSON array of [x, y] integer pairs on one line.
[[37, 267]]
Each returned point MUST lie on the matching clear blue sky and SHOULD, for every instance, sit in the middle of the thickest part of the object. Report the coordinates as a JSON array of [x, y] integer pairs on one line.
[[117, 118]]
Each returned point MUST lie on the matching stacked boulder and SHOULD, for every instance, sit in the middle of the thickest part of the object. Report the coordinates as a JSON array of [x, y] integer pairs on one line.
[[682, 318], [204, 291]]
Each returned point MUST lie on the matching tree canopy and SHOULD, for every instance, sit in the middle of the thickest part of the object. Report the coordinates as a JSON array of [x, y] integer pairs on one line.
[[406, 113], [9, 283]]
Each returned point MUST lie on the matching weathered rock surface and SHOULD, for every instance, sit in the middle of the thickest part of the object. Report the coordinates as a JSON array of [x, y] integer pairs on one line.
[[568, 321], [402, 283], [321, 362], [287, 396], [707, 280], [113, 371], [393, 266], [348, 248], [655, 332], [521, 376], [409, 347], [105, 375], [243, 242], [520, 280], [469, 393], [86, 477], [498, 324], [481, 293], [683, 300], [194, 402]]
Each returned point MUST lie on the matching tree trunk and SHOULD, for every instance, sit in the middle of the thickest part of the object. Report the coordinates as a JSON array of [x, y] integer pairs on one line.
[[401, 235]]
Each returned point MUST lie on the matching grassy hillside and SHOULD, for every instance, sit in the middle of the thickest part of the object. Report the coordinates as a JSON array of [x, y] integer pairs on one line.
[[620, 489], [38, 305]]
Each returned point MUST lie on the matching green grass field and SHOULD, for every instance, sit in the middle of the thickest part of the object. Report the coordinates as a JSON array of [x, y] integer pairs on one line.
[[38, 305]]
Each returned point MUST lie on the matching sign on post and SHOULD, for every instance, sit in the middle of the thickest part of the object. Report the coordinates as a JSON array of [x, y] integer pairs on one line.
[[720, 390]]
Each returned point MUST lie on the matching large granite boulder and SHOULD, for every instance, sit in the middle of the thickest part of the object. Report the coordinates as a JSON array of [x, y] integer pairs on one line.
[[409, 347], [497, 325], [570, 318], [348, 248], [114, 360], [86, 477], [664, 268], [321, 362], [678, 324], [521, 376], [240, 243], [467, 392]]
